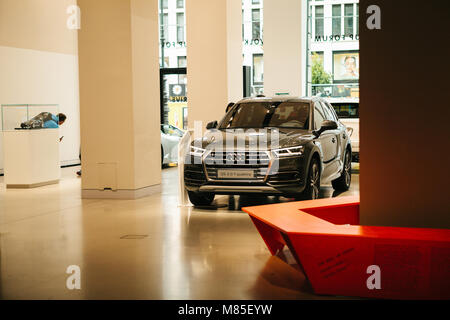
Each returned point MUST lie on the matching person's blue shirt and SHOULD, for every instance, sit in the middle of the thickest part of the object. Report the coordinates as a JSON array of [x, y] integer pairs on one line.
[[52, 123]]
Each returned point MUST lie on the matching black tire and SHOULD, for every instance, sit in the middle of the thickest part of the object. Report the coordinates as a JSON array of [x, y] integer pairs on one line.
[[201, 199], [312, 188], [344, 181]]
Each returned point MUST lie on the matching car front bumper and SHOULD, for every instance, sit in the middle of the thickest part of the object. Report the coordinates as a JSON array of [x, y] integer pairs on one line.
[[288, 178]]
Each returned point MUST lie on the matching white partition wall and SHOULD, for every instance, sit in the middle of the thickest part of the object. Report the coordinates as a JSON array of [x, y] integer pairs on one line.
[[39, 64]]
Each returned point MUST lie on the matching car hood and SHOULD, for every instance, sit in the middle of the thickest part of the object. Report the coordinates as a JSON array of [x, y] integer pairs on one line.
[[254, 139]]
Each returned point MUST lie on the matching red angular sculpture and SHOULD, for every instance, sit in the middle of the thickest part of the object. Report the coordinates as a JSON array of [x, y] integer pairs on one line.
[[339, 257]]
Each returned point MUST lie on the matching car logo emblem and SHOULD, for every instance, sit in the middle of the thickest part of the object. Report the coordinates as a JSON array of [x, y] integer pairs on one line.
[[230, 156], [241, 157]]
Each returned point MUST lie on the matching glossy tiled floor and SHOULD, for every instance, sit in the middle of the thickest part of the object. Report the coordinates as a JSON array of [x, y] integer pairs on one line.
[[185, 252]]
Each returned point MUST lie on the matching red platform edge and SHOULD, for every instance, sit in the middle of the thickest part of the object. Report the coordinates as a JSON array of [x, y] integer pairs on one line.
[[335, 252]]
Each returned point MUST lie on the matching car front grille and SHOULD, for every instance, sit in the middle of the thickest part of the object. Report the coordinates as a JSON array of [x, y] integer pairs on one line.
[[237, 158], [258, 161]]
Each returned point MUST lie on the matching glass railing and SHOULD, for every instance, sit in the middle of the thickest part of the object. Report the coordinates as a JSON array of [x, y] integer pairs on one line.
[[341, 90]]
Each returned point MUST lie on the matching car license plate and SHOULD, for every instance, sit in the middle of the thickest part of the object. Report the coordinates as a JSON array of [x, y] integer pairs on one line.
[[235, 174]]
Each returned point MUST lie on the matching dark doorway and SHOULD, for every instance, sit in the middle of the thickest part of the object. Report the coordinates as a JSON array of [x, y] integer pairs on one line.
[[173, 96]]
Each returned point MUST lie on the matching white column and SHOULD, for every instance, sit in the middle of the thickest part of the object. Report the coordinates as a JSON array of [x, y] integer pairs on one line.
[[119, 98], [283, 47], [214, 57]]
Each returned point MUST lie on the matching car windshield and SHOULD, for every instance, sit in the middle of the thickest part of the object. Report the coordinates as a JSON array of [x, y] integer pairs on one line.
[[287, 114]]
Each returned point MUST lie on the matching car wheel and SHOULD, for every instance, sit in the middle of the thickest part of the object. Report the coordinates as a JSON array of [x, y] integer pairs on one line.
[[343, 182], [312, 188], [201, 199]]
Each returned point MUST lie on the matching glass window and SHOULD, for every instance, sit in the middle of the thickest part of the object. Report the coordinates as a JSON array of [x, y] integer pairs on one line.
[[336, 20], [181, 62], [346, 110], [319, 21], [180, 27], [330, 107], [329, 115], [256, 23], [182, 79], [180, 4], [348, 20], [255, 1], [165, 28], [318, 115], [165, 4], [357, 18], [258, 69]]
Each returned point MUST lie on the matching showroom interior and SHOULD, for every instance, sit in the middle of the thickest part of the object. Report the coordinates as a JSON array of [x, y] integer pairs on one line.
[[133, 77]]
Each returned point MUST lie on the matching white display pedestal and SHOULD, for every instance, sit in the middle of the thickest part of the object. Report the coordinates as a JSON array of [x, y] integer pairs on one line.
[[31, 158]]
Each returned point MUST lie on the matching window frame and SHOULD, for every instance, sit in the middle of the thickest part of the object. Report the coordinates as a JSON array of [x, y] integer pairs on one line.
[[181, 27], [322, 18], [253, 69]]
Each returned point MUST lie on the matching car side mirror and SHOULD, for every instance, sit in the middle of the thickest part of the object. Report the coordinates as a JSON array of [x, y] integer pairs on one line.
[[211, 125], [326, 125]]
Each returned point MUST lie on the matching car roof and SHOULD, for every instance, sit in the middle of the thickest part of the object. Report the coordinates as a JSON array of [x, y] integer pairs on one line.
[[279, 99]]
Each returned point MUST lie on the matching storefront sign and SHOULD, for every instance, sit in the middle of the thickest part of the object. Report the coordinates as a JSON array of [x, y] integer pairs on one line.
[[173, 44], [182, 44], [253, 42], [337, 38], [177, 93]]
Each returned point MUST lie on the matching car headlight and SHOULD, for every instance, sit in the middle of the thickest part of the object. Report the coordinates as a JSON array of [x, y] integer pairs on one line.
[[288, 152], [195, 151]]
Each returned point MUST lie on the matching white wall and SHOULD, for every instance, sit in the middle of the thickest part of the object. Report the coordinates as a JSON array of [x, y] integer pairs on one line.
[[43, 77]]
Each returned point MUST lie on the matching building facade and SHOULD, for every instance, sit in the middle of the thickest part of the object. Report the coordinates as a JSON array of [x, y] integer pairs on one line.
[[333, 43], [173, 54]]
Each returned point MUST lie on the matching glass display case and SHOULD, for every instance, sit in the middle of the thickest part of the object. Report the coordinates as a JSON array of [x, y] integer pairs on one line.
[[29, 116]]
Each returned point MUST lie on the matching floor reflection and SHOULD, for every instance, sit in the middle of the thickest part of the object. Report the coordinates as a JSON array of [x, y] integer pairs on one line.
[[188, 253], [236, 202]]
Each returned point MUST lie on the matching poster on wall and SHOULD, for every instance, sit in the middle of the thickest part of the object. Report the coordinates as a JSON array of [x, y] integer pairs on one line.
[[346, 66]]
